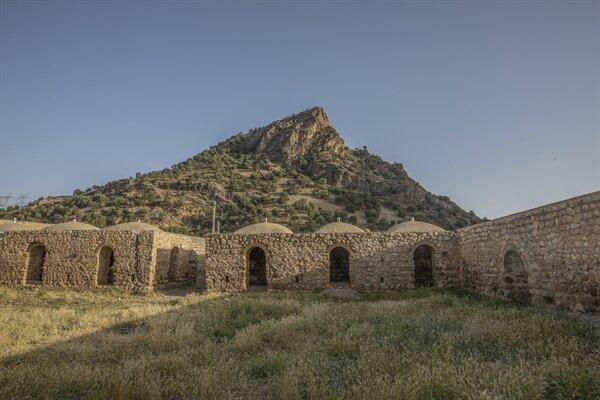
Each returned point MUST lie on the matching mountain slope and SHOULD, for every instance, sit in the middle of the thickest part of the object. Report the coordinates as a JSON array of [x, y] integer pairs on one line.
[[296, 171]]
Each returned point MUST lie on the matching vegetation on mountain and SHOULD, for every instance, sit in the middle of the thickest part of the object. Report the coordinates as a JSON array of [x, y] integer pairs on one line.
[[296, 171]]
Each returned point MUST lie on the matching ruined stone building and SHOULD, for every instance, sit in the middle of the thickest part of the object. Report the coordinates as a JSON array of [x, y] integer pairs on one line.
[[547, 255]]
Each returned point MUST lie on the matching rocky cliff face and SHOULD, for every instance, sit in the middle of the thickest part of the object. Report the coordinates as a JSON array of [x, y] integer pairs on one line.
[[300, 136], [297, 171], [305, 142]]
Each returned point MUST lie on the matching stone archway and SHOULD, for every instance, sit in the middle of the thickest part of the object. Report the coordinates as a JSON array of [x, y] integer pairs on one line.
[[106, 263], [257, 267], [339, 265], [516, 284], [423, 260], [35, 264]]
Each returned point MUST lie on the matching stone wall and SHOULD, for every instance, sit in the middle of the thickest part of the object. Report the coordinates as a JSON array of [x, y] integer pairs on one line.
[[72, 257], [178, 260], [378, 261], [548, 255], [558, 244]]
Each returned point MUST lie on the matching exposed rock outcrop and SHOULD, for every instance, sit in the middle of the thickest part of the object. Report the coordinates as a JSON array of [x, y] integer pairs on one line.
[[253, 176]]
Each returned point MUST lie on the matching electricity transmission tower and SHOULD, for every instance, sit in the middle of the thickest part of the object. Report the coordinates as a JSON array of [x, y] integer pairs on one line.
[[5, 199], [22, 199]]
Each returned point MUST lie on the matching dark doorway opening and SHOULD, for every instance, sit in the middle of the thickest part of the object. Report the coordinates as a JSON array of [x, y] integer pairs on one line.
[[35, 264], [339, 265], [257, 267], [106, 263], [173, 271], [516, 284], [423, 260]]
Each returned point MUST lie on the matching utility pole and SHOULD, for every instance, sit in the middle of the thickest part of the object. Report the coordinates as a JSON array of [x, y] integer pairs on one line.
[[214, 216]]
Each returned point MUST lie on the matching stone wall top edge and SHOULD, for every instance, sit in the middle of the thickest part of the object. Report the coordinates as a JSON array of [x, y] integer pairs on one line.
[[75, 233], [178, 235], [592, 197], [331, 234]]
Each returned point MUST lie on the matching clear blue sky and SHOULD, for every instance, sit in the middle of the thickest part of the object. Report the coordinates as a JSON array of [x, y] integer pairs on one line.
[[494, 104]]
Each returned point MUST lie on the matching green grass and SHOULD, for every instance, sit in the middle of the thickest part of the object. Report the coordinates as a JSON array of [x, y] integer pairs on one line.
[[425, 344]]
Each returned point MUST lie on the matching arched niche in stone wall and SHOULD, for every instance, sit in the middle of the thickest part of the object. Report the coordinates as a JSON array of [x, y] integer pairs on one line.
[[339, 264], [515, 278], [174, 261], [106, 266], [423, 263], [36, 258], [256, 268]]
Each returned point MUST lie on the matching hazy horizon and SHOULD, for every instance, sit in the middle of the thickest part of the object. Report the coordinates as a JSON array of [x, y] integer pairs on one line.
[[494, 104]]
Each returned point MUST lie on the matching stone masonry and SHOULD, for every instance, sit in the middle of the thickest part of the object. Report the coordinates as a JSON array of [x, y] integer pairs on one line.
[[378, 261], [548, 255], [72, 257], [178, 259], [559, 245]]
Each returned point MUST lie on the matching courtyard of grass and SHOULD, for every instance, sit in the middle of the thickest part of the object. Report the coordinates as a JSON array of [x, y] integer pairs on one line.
[[423, 344]]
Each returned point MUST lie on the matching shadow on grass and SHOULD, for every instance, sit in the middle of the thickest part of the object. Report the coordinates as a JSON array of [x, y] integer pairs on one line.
[[302, 345], [134, 358], [179, 291]]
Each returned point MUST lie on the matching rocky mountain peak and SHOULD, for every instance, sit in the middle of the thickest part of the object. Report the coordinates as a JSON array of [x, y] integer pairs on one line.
[[296, 139], [312, 116], [296, 171]]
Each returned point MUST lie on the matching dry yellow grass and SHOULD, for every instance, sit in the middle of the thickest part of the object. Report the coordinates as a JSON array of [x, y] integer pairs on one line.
[[426, 344]]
